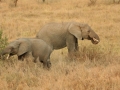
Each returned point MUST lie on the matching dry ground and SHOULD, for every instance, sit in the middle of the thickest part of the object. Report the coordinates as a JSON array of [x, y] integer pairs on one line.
[[96, 68]]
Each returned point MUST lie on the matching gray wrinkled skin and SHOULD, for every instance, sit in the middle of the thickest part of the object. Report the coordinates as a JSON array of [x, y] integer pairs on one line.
[[23, 46], [66, 34]]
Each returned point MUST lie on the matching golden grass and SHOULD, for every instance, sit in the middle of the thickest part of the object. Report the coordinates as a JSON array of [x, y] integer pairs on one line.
[[96, 68]]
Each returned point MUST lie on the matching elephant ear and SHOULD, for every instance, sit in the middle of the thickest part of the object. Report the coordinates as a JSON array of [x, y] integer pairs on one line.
[[85, 27], [24, 47], [75, 30]]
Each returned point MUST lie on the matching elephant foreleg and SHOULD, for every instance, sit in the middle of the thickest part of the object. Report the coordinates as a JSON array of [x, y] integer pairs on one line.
[[21, 57], [72, 45], [71, 49], [76, 45], [46, 63]]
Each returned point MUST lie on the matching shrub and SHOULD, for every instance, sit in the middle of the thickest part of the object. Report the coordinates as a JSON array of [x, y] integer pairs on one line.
[[92, 2], [3, 41], [116, 1]]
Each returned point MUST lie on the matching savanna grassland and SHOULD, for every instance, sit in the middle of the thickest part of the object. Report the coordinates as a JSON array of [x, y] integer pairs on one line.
[[96, 68]]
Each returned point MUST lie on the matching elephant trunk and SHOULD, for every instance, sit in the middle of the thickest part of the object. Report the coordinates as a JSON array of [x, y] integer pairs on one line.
[[5, 51], [94, 37], [1, 55]]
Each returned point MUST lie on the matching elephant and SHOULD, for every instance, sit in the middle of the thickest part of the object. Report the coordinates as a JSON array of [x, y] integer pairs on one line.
[[66, 34], [23, 46]]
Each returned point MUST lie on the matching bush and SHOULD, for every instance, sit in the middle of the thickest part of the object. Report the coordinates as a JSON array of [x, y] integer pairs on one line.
[[92, 2], [3, 41], [114, 1]]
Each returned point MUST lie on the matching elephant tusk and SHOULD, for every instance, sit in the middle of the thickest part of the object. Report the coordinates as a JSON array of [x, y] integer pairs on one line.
[[8, 56], [95, 40]]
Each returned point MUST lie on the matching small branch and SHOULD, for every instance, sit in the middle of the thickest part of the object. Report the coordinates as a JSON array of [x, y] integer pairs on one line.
[[15, 2]]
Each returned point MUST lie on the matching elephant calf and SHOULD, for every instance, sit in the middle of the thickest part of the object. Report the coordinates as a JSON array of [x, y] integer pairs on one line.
[[23, 46]]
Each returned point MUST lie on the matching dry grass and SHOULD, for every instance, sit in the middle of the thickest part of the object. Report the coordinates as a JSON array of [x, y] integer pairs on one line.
[[96, 68]]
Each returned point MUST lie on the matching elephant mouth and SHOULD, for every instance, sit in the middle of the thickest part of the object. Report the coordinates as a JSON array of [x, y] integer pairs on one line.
[[82, 38], [94, 41]]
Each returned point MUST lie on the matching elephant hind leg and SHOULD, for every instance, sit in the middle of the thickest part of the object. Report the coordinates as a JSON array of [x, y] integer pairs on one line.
[[48, 64], [35, 59]]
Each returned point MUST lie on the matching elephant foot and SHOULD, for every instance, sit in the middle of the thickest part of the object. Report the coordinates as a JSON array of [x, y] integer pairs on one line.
[[47, 65]]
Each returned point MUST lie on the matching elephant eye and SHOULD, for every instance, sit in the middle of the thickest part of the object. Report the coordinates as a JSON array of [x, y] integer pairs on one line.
[[11, 48]]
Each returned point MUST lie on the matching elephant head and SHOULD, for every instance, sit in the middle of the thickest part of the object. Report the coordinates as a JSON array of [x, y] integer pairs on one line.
[[19, 47], [84, 31]]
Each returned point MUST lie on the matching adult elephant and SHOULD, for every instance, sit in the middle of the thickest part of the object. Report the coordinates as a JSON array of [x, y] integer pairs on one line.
[[60, 35]]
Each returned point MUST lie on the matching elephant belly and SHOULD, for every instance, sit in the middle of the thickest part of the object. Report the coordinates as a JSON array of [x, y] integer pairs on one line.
[[55, 41], [58, 43]]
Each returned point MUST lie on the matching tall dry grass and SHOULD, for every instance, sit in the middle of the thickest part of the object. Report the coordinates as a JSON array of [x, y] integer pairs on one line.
[[97, 67]]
